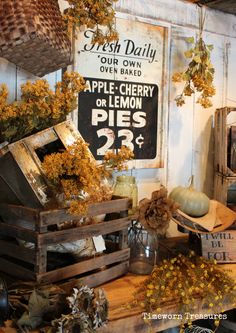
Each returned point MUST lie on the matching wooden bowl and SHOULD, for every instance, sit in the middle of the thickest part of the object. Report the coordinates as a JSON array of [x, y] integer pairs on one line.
[[218, 218]]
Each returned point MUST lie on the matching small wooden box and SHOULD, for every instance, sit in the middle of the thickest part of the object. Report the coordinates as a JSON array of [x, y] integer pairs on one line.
[[220, 246], [31, 225]]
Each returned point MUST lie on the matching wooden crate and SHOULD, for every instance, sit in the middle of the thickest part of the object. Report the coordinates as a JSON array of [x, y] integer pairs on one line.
[[220, 246], [222, 185], [222, 144], [22, 179], [32, 225]]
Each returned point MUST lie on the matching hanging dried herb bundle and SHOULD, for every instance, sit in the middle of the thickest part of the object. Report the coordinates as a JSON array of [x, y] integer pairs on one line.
[[199, 75], [39, 107], [180, 281], [155, 213], [94, 14], [78, 176]]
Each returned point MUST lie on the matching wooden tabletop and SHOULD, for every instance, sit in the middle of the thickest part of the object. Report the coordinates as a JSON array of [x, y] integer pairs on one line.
[[122, 320]]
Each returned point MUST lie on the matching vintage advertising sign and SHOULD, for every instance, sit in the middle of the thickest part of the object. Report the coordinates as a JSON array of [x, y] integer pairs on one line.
[[220, 246], [122, 104]]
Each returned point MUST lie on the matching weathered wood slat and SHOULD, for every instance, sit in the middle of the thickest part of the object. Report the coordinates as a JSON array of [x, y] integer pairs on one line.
[[50, 217], [123, 239], [21, 223], [19, 215], [17, 251], [18, 232], [40, 265], [84, 266], [106, 275], [82, 232], [10, 268]]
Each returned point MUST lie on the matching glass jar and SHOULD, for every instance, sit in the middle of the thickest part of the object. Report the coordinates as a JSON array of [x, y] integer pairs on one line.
[[143, 250], [126, 186]]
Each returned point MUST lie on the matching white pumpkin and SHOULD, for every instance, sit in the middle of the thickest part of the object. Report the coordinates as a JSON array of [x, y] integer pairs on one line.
[[191, 201]]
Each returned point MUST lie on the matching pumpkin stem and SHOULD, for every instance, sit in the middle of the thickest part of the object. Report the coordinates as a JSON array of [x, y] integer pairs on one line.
[[191, 181]]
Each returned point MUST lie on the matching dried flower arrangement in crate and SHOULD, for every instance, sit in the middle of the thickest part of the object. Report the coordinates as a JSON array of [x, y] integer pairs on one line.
[[78, 176]]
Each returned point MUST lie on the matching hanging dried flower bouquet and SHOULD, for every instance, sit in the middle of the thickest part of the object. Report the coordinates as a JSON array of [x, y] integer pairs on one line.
[[199, 74], [94, 14], [39, 107]]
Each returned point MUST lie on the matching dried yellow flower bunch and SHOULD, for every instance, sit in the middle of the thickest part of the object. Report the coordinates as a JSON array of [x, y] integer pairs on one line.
[[39, 107], [182, 279], [112, 160], [199, 74], [93, 14], [78, 176]]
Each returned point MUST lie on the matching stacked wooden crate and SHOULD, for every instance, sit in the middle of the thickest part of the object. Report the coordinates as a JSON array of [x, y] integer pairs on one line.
[[225, 157], [33, 225], [27, 217]]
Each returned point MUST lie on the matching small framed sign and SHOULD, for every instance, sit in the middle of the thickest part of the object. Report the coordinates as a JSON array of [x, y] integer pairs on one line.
[[220, 246]]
